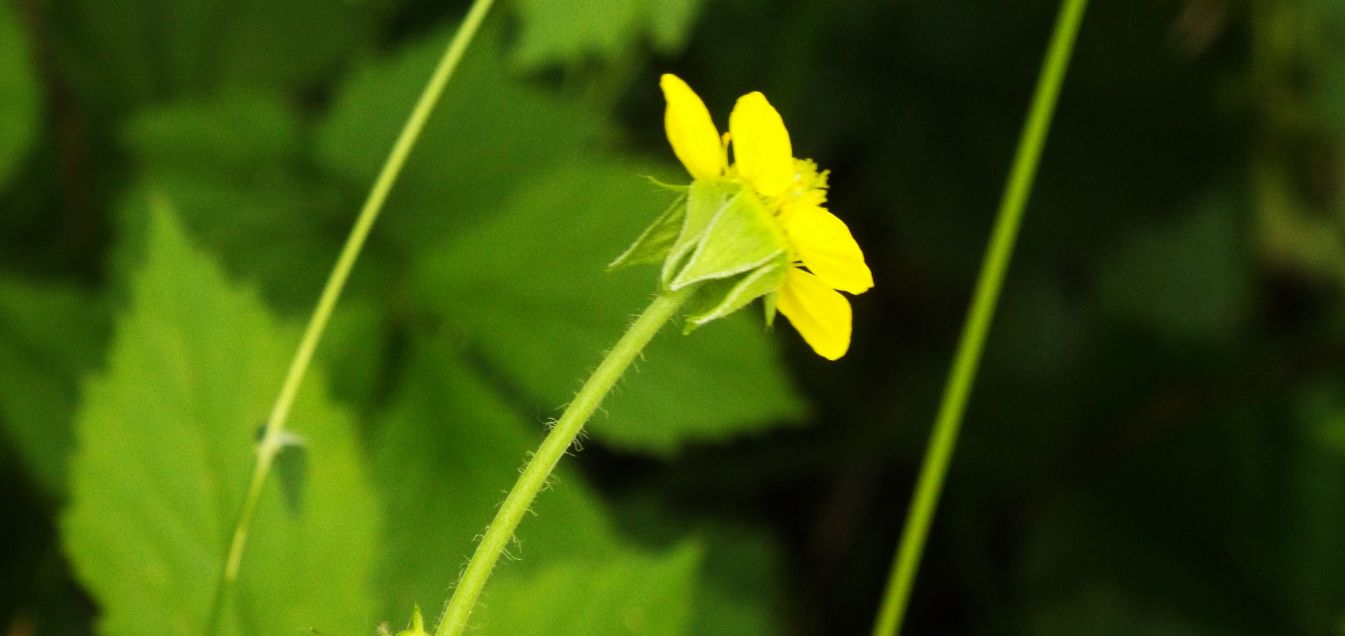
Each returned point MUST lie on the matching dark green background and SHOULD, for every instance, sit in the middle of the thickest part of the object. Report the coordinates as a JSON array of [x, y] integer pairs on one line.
[[1156, 443]]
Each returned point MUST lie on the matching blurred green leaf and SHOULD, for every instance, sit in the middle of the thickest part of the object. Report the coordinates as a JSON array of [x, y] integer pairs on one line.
[[50, 336], [165, 445], [488, 136], [1237, 505], [569, 33], [1324, 22], [266, 233], [741, 585], [233, 168], [528, 288], [1041, 332], [1099, 609], [1187, 279], [628, 593], [448, 450], [240, 134], [19, 97], [740, 589], [358, 349], [1105, 563], [1309, 509], [233, 165], [150, 50]]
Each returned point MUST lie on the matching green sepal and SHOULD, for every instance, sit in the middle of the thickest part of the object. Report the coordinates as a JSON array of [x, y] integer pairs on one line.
[[705, 200], [417, 625], [718, 298], [768, 304], [665, 185], [655, 241], [742, 236]]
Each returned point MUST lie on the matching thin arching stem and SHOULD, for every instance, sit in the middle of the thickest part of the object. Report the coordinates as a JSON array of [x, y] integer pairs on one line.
[[982, 312], [273, 434]]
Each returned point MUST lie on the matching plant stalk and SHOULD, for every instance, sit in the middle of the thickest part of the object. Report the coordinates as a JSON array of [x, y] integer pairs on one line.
[[539, 467], [273, 434], [962, 376]]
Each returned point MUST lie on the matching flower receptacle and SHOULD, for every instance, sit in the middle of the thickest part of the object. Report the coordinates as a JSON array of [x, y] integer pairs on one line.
[[721, 238]]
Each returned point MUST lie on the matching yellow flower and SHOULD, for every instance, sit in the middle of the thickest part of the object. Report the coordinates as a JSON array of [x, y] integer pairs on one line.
[[824, 256]]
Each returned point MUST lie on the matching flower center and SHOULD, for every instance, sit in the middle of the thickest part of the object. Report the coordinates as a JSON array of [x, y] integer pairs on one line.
[[809, 186]]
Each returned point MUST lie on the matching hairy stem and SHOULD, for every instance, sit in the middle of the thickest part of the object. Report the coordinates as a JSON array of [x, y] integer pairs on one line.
[[539, 467], [273, 434], [963, 373]]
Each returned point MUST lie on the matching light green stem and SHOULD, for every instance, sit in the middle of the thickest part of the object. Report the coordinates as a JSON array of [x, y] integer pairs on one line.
[[982, 312], [538, 469], [273, 434]]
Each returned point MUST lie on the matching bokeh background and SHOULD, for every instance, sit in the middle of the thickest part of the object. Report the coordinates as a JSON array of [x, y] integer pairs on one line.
[[1156, 444]]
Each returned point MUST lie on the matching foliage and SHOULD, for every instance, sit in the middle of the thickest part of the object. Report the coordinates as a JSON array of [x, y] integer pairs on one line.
[[535, 326], [49, 337], [1155, 443], [603, 29], [19, 96], [164, 440]]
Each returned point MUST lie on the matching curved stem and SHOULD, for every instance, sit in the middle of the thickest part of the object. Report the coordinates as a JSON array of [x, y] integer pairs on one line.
[[982, 312], [538, 469], [273, 434]]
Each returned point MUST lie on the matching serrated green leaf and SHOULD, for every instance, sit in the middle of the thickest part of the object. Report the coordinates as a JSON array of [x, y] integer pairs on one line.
[[19, 98], [263, 234], [528, 290], [574, 32], [164, 448], [233, 167], [50, 337]]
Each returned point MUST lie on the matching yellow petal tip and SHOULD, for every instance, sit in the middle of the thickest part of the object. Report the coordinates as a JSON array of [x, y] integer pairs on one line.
[[761, 146], [820, 314], [691, 131]]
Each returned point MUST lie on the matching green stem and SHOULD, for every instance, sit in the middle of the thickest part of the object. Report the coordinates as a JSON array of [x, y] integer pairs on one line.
[[538, 469], [273, 435], [982, 312]]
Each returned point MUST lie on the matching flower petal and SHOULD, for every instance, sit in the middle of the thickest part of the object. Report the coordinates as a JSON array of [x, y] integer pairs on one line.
[[692, 133], [819, 313], [825, 245], [761, 146]]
